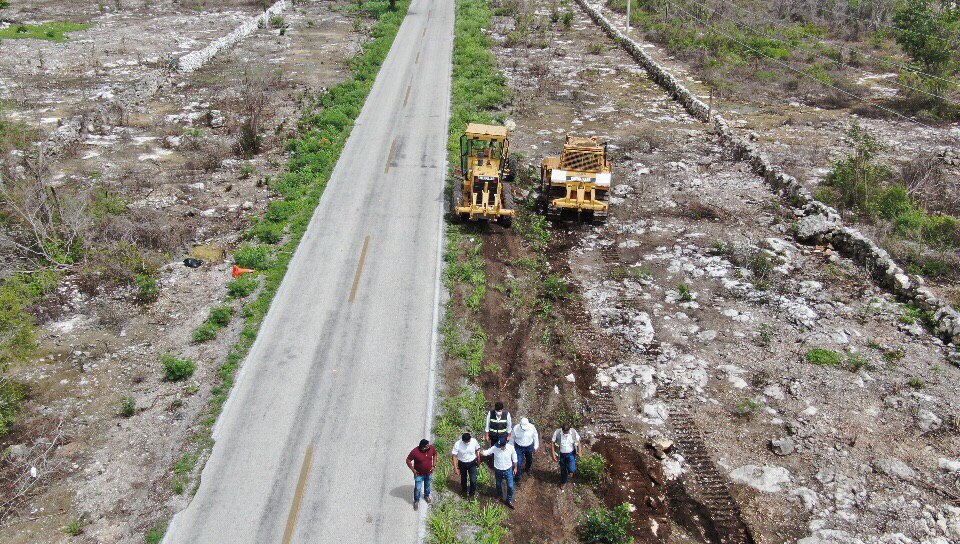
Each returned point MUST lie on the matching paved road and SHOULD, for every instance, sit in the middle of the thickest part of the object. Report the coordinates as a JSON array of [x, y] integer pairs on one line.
[[336, 390]]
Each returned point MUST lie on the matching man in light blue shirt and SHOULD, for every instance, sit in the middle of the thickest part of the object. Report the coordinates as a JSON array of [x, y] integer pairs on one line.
[[505, 467]]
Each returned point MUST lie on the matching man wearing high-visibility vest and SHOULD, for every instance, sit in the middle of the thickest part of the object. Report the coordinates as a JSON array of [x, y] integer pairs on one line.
[[499, 424]]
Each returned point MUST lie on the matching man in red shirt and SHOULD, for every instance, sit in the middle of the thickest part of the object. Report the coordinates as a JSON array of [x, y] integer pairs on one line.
[[422, 460]]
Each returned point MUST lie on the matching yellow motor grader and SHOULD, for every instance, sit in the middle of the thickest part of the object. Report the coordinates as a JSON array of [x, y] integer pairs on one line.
[[484, 153], [576, 184]]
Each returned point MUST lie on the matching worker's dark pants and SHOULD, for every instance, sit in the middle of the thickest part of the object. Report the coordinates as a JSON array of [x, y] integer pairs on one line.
[[468, 470], [501, 476], [568, 466], [524, 453]]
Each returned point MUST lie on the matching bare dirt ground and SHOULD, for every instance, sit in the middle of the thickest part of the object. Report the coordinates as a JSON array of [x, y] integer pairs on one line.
[[172, 161], [699, 316]]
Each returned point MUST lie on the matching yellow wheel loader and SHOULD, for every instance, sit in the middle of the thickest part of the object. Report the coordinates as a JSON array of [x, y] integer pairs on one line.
[[576, 184], [484, 152]]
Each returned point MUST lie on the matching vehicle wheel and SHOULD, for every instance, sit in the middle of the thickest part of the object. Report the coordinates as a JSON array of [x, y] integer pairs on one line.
[[513, 163], [456, 195], [508, 200]]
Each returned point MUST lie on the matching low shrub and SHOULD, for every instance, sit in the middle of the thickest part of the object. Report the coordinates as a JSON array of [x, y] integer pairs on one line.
[[75, 527], [12, 395], [266, 232], [148, 288], [242, 287], [257, 257], [176, 369], [221, 315], [592, 467], [205, 332], [126, 406], [605, 526]]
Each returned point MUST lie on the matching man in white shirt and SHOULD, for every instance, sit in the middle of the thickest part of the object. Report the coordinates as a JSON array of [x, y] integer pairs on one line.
[[505, 467], [526, 440], [465, 463], [565, 440]]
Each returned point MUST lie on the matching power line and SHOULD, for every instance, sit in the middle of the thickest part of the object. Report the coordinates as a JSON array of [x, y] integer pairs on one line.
[[801, 72], [893, 27], [821, 55], [856, 51]]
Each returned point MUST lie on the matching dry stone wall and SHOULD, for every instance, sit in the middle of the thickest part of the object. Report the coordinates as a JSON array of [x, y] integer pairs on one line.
[[112, 110], [819, 223]]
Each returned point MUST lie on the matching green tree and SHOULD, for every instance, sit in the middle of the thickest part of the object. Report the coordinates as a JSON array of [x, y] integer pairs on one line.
[[926, 34]]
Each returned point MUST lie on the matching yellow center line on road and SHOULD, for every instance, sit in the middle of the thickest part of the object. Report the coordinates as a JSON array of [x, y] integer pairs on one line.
[[393, 150], [356, 277], [298, 496], [424, 33], [418, 58], [407, 97]]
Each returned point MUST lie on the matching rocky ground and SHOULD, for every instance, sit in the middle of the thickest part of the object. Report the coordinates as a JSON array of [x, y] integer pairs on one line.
[[714, 311], [804, 131], [172, 160]]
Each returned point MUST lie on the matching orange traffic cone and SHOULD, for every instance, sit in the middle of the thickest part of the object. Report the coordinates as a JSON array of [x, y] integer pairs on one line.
[[237, 271]]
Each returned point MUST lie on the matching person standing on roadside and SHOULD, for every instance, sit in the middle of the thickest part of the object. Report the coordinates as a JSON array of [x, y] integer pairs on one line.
[[565, 440], [465, 463], [526, 440], [504, 466], [422, 460], [498, 424]]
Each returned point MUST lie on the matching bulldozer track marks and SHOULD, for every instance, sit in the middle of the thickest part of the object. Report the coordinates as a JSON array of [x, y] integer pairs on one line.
[[610, 254], [704, 481]]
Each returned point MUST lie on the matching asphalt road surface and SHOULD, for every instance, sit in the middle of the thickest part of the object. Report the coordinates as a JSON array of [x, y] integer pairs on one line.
[[337, 388]]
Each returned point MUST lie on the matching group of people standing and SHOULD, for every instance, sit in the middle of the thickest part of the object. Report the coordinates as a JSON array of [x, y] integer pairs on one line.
[[511, 449]]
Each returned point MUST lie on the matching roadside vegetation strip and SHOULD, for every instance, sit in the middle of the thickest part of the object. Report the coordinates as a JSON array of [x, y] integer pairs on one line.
[[820, 223], [478, 92], [323, 132]]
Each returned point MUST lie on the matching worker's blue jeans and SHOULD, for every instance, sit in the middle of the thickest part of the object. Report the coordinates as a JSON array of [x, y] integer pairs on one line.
[[421, 482], [568, 466], [508, 476], [523, 453]]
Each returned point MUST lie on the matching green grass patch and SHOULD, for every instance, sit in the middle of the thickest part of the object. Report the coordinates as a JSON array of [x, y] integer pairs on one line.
[[257, 257], [55, 31], [850, 360], [155, 534], [824, 357], [242, 287], [478, 90]]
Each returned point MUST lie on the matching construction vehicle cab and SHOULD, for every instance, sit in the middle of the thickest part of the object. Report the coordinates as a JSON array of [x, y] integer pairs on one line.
[[576, 184], [484, 150]]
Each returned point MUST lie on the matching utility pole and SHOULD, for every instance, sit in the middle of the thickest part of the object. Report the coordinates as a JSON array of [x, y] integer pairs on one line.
[[628, 18]]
